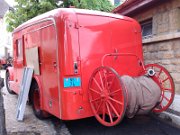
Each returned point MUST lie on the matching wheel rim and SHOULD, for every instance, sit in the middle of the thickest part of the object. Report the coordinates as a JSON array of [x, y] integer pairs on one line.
[[163, 78], [36, 100], [107, 96]]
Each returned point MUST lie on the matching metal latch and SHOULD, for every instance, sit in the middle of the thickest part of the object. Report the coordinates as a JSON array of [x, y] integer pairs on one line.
[[75, 67]]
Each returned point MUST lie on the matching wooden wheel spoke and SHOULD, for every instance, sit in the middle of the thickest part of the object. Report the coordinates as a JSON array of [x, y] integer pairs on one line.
[[105, 80], [97, 110], [110, 115], [104, 111], [95, 91], [165, 79], [165, 98], [161, 105], [95, 99], [167, 89], [113, 108], [101, 80], [116, 101], [97, 84], [158, 75], [116, 91], [112, 82]]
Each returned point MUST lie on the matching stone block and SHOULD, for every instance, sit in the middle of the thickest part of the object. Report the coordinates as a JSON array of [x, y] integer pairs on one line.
[[161, 23], [175, 61], [173, 68], [174, 21], [149, 56], [177, 88], [176, 77], [166, 61], [152, 48], [165, 55], [176, 44], [165, 46], [177, 54]]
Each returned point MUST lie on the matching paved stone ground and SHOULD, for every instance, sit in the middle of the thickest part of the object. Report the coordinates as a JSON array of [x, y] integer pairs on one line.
[[31, 125]]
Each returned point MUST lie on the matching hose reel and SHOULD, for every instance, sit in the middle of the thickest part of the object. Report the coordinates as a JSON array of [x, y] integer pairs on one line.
[[112, 96]]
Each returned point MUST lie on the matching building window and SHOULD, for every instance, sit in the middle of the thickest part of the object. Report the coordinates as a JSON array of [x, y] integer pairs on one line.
[[147, 28], [19, 49]]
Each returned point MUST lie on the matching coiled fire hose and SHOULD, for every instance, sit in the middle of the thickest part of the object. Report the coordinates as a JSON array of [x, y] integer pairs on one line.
[[112, 96]]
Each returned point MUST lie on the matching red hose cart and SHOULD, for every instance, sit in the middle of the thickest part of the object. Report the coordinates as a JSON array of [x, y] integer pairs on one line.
[[87, 63]]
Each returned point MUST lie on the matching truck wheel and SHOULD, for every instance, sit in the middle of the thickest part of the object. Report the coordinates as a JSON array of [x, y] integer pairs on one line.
[[35, 100], [7, 84], [164, 80], [107, 96]]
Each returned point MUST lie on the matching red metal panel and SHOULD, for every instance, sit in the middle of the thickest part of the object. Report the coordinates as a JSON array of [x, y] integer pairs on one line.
[[73, 106], [49, 69]]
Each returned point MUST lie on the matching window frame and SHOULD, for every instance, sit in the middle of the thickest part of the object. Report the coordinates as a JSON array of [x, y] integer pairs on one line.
[[19, 49], [144, 26]]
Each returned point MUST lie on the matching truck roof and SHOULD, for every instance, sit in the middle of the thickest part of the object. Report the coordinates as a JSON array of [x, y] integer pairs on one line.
[[55, 12]]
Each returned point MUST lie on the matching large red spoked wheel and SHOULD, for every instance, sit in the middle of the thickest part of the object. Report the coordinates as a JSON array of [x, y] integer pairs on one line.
[[107, 96], [163, 78]]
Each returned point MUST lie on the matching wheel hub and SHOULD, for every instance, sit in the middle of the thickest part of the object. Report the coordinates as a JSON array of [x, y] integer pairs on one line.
[[105, 94]]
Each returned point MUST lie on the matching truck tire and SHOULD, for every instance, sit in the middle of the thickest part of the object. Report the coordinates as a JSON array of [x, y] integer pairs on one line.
[[7, 83], [35, 100]]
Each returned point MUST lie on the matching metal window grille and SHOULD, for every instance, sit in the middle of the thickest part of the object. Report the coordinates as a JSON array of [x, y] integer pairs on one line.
[[147, 28]]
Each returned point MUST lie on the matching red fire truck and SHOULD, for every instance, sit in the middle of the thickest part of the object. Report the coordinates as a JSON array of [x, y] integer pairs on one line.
[[80, 56]]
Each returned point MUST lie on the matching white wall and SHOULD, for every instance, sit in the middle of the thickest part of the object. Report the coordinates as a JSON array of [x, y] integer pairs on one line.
[[5, 39]]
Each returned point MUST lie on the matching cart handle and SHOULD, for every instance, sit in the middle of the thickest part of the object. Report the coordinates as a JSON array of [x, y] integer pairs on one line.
[[122, 54]]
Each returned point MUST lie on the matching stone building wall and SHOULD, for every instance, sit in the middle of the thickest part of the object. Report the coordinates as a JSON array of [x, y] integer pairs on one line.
[[166, 53], [163, 46]]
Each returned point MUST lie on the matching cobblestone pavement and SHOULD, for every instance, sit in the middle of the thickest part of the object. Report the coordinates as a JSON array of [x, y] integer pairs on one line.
[[31, 125]]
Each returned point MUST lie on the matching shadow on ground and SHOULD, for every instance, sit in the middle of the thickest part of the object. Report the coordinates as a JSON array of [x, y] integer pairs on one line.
[[140, 125]]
